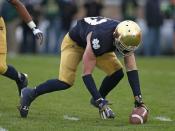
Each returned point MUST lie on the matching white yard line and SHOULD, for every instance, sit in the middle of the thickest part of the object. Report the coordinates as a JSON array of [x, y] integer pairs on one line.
[[163, 118], [3, 129], [67, 117]]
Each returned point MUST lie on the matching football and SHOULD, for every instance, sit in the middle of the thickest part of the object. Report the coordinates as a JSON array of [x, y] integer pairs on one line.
[[139, 115]]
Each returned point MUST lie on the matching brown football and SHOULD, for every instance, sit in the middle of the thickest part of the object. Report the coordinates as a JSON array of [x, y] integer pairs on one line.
[[139, 115]]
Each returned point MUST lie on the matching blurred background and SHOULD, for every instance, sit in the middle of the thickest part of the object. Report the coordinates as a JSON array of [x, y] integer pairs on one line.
[[56, 17]]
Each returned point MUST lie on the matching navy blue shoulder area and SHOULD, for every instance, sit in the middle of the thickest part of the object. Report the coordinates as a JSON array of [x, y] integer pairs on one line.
[[102, 38], [102, 33]]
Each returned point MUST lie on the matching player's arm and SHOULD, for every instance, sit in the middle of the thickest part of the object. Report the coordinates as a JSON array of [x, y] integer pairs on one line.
[[27, 18], [130, 62], [133, 77], [89, 62], [21, 10], [89, 59]]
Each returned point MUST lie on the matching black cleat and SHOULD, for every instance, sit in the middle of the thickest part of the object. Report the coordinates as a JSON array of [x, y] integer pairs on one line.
[[27, 96], [22, 82]]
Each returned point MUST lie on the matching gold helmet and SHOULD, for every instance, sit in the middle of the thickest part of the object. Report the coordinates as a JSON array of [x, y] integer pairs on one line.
[[127, 37]]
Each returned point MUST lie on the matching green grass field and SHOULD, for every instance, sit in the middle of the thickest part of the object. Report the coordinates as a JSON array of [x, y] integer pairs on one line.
[[70, 110]]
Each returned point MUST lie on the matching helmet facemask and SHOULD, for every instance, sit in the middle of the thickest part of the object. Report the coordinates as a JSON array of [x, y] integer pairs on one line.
[[124, 50], [127, 37]]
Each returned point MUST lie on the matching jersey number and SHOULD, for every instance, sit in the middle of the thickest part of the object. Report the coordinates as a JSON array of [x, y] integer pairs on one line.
[[94, 20]]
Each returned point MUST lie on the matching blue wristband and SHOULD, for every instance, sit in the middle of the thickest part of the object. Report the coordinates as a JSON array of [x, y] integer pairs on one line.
[[133, 79]]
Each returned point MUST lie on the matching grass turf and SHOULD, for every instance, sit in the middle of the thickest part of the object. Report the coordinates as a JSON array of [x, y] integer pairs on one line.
[[55, 111]]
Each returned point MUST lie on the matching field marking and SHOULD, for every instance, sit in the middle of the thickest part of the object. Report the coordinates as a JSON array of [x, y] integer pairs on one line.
[[66, 117], [163, 118], [3, 129]]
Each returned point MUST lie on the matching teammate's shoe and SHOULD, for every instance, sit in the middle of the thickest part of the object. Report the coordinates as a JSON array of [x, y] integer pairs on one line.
[[27, 96], [104, 110], [22, 82]]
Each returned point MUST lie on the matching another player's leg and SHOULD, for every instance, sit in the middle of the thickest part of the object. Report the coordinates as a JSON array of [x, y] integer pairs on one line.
[[29, 94], [70, 58], [20, 78], [11, 73]]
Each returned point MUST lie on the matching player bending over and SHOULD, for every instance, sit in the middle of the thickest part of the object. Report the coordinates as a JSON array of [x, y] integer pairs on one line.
[[94, 41]]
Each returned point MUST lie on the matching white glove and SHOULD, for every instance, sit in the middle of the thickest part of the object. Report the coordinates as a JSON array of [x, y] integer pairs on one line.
[[36, 31], [38, 34], [104, 110]]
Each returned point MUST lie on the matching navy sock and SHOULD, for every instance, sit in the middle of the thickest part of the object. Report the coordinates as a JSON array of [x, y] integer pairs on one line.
[[90, 85], [11, 73], [110, 82], [50, 86], [133, 79]]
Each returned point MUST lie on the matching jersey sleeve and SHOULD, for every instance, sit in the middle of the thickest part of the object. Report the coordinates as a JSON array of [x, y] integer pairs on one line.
[[96, 44]]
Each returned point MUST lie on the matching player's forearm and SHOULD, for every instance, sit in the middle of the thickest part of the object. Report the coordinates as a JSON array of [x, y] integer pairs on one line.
[[91, 86], [133, 79], [130, 62], [89, 59], [88, 66], [132, 73], [21, 10]]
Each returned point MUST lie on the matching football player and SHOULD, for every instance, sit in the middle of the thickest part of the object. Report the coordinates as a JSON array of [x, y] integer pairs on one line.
[[94, 41], [8, 70]]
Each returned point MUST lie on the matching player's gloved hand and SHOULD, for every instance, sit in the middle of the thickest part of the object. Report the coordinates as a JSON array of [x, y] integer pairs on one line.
[[139, 102], [104, 110], [38, 34]]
